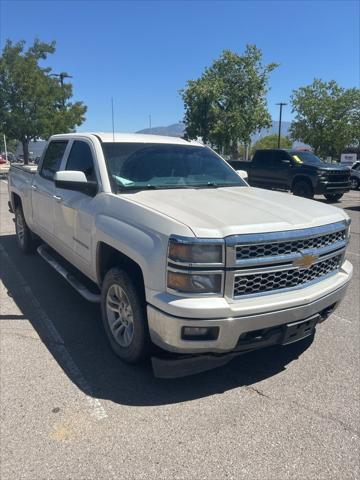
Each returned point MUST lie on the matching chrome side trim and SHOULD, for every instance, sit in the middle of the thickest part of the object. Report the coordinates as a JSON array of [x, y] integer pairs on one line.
[[74, 282]]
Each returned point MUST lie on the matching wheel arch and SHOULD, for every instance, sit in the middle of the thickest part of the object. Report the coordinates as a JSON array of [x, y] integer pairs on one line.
[[108, 257], [302, 178], [15, 200]]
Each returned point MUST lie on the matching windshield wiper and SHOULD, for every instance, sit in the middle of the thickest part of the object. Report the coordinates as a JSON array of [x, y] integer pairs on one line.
[[136, 187], [217, 185], [176, 186]]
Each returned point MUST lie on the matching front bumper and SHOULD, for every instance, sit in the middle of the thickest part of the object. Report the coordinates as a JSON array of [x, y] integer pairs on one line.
[[325, 187], [166, 329]]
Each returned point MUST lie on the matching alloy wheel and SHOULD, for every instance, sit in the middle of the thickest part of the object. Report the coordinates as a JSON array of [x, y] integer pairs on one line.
[[120, 315]]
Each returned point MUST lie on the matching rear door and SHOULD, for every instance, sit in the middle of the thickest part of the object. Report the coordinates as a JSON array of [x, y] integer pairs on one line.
[[43, 189], [261, 168]]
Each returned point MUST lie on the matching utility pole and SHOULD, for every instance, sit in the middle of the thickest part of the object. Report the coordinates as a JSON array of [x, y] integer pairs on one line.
[[281, 104], [150, 120]]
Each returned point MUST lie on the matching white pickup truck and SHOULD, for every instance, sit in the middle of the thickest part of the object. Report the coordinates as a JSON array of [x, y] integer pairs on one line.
[[178, 249]]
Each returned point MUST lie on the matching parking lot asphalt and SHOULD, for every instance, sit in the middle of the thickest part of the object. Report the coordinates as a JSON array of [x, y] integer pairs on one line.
[[70, 409]]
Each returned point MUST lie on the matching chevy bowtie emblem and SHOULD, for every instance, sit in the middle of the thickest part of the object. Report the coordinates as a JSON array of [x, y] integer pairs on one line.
[[305, 261]]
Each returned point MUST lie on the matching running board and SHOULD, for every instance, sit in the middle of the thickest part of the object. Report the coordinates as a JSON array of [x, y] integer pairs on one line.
[[74, 282]]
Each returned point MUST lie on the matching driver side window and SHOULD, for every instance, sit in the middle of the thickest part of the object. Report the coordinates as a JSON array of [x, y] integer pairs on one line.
[[81, 159]]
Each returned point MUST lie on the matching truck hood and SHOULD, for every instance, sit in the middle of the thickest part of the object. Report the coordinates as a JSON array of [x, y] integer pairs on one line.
[[329, 167], [219, 212]]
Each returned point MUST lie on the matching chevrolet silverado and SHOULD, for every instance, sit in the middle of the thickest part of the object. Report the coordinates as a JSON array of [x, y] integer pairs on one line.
[[179, 250]]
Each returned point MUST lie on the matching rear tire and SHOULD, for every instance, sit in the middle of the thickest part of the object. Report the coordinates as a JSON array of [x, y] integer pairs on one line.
[[302, 188], [333, 197], [124, 317], [24, 236]]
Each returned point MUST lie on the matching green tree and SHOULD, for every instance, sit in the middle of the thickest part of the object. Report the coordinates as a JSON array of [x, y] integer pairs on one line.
[[327, 117], [227, 104], [271, 141], [34, 104]]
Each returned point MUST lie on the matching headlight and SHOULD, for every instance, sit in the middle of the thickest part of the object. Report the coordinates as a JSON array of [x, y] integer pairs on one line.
[[195, 282], [348, 223], [193, 251], [195, 265]]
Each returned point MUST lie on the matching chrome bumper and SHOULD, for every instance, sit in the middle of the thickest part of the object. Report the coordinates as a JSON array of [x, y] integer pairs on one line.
[[165, 329]]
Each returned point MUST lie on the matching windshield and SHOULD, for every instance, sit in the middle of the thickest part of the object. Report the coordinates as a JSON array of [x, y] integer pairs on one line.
[[140, 166], [306, 157]]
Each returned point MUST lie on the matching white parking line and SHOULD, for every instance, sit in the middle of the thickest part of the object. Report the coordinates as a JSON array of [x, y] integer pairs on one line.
[[353, 253], [96, 408]]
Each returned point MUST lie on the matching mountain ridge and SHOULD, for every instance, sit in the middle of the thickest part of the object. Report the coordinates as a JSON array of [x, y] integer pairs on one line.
[[178, 129]]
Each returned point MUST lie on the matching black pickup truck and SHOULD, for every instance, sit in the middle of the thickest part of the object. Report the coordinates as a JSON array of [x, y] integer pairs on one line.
[[302, 172]]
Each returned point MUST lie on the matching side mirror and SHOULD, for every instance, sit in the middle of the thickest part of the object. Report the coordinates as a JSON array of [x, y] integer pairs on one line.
[[75, 180], [243, 174]]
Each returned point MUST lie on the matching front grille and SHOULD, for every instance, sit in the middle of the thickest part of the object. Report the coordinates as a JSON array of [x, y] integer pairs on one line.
[[275, 280], [245, 252], [338, 178]]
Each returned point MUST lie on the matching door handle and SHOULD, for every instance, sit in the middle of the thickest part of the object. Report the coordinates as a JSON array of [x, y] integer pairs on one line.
[[58, 199], [34, 187]]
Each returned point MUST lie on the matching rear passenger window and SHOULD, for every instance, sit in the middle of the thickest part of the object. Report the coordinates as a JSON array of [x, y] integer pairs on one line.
[[80, 159], [52, 160], [263, 158]]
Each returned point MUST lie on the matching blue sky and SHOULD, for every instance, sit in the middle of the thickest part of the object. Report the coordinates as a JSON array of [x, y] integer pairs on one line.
[[142, 53]]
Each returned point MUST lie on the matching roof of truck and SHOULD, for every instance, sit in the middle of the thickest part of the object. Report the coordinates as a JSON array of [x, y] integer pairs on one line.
[[117, 137]]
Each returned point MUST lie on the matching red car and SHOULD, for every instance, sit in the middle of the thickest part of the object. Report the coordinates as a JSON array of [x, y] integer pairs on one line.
[[2, 160]]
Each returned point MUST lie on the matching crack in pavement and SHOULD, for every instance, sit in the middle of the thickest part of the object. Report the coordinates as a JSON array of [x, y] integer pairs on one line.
[[344, 425]]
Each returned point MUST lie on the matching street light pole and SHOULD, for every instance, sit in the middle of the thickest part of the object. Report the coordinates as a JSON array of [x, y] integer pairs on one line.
[[281, 104], [61, 76]]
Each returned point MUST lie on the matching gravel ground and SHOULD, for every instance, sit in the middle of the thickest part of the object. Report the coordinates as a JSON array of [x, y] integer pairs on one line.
[[71, 410]]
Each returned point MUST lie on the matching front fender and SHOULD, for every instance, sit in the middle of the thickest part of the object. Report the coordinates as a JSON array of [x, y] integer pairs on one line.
[[144, 246]]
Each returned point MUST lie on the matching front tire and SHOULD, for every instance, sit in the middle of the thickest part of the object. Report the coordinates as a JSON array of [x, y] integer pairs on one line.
[[24, 235], [355, 183], [124, 317], [303, 188], [333, 197]]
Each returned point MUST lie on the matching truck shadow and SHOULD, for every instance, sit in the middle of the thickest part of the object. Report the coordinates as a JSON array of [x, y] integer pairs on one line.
[[79, 325]]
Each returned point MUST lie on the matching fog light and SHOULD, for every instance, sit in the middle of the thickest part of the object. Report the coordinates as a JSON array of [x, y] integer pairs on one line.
[[200, 333]]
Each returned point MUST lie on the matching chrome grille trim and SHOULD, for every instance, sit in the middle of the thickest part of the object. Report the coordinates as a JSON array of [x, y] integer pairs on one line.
[[273, 249], [286, 266], [285, 279], [285, 235], [291, 257], [327, 242]]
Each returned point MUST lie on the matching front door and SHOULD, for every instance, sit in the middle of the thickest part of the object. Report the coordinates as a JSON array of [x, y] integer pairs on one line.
[[74, 215], [281, 166]]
